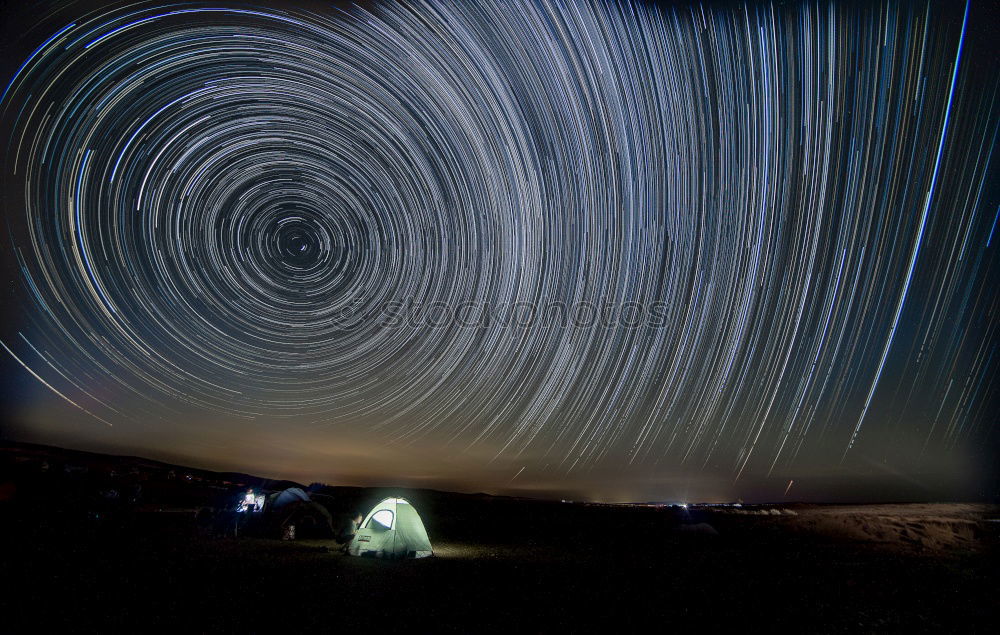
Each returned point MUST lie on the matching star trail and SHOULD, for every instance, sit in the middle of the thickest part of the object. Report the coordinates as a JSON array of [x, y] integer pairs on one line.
[[280, 218]]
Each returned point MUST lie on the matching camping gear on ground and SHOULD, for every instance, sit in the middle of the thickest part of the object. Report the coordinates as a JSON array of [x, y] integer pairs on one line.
[[293, 514], [392, 529]]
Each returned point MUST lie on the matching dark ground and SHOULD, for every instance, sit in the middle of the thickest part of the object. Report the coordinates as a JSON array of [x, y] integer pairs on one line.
[[501, 565]]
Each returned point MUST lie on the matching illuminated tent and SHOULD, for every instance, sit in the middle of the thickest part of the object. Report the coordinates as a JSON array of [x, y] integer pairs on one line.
[[392, 529]]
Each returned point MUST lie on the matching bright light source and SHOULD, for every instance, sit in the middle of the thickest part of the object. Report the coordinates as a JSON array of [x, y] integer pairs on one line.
[[251, 503], [384, 518]]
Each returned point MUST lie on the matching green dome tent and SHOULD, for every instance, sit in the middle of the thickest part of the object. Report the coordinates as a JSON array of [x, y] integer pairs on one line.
[[392, 529]]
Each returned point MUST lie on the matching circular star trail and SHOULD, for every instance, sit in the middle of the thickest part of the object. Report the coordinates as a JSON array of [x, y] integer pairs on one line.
[[271, 214]]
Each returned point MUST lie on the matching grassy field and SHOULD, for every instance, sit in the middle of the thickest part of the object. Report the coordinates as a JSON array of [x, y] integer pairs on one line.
[[503, 565]]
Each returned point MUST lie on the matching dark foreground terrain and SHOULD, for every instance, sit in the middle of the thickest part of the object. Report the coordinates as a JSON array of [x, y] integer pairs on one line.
[[501, 565]]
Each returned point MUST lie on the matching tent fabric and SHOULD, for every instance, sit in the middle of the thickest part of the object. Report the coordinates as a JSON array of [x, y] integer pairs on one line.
[[392, 529], [290, 495], [312, 519]]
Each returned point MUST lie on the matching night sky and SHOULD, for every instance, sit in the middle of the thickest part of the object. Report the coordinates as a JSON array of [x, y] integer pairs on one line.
[[616, 251]]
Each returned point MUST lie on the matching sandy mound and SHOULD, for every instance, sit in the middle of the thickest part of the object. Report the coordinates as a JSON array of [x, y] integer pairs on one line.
[[924, 526], [698, 529]]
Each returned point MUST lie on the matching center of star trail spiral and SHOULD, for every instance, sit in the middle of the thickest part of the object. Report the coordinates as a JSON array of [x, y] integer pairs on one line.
[[214, 210]]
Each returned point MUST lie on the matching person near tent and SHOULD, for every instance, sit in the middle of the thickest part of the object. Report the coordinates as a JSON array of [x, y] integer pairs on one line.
[[348, 529]]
